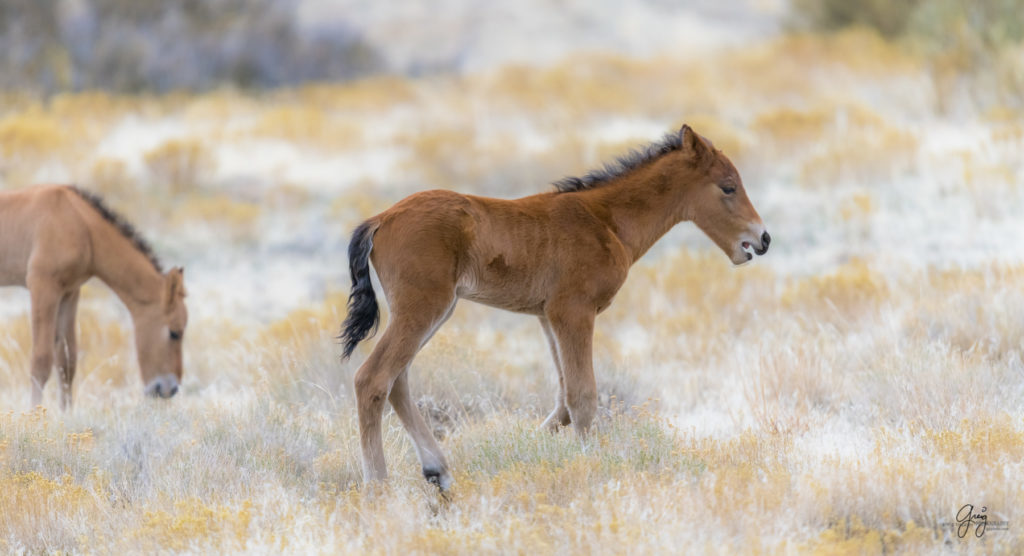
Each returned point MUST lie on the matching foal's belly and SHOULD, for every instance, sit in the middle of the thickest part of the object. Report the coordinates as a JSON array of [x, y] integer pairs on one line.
[[528, 306], [504, 294], [13, 264]]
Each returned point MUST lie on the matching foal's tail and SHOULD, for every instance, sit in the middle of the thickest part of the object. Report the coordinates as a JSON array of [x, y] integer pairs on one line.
[[363, 313]]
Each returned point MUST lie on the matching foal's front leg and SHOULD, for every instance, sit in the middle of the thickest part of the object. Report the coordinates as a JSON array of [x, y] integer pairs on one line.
[[44, 334], [560, 415], [66, 346], [573, 327]]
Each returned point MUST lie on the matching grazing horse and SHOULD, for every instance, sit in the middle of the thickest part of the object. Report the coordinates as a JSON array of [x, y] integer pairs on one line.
[[561, 256], [53, 239]]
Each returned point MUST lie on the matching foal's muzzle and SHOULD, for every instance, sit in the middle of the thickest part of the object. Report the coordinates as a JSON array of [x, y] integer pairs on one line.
[[765, 241], [163, 386], [758, 245]]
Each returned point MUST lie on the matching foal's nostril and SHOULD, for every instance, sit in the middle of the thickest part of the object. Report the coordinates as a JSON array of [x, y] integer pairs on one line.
[[174, 390], [156, 388], [766, 239]]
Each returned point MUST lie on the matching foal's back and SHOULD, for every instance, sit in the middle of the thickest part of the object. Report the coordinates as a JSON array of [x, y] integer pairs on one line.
[[510, 254], [39, 228]]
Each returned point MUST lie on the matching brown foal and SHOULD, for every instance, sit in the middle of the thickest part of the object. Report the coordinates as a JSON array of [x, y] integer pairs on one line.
[[52, 240], [560, 255]]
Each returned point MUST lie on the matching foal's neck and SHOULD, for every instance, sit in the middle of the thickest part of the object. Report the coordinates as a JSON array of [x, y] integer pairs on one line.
[[643, 206], [128, 272]]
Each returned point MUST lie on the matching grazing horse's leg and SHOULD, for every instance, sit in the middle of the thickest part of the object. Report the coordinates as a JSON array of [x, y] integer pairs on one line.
[[573, 327], [44, 333], [560, 415], [415, 315], [66, 346]]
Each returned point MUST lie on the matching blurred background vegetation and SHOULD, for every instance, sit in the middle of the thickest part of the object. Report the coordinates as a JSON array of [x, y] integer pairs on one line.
[[965, 40], [49, 46], [941, 22], [130, 46]]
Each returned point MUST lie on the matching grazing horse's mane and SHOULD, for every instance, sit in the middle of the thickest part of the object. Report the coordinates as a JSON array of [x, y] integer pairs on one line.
[[635, 158], [126, 228]]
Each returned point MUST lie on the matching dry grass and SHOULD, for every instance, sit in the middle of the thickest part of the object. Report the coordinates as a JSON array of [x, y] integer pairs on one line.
[[845, 395], [261, 452]]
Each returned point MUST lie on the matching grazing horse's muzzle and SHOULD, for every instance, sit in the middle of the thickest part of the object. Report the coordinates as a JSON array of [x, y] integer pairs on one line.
[[765, 241], [163, 386]]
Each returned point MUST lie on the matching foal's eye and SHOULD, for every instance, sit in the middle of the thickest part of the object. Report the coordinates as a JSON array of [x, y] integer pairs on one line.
[[728, 189], [175, 335]]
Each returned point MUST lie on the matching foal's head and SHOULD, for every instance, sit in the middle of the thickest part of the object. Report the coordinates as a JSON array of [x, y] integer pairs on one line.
[[159, 333], [717, 202]]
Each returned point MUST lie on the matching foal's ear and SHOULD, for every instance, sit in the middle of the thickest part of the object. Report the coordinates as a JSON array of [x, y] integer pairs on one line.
[[693, 145], [175, 285]]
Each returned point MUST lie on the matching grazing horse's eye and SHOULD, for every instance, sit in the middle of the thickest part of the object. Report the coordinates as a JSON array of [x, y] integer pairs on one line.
[[728, 189], [175, 335]]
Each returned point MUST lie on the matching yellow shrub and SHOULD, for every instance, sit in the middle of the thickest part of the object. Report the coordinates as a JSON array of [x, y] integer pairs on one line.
[[180, 164], [221, 105], [193, 521], [858, 50], [31, 503], [446, 157], [850, 289], [857, 206], [22, 491], [374, 93], [789, 125], [851, 536], [16, 352], [582, 86], [309, 126], [110, 176], [358, 203], [106, 351], [302, 325], [867, 157], [237, 219], [990, 439], [31, 135], [94, 106]]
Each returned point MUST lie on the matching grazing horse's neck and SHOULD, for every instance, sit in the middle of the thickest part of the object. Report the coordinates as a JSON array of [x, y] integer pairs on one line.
[[128, 272], [642, 206]]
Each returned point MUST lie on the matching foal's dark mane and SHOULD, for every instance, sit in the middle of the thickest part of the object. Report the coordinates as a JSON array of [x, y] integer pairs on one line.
[[126, 228], [635, 158]]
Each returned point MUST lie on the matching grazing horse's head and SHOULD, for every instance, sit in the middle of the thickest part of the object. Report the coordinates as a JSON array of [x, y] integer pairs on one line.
[[718, 204], [159, 332]]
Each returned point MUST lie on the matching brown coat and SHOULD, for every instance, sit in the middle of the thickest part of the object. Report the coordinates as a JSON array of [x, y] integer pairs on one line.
[[561, 256]]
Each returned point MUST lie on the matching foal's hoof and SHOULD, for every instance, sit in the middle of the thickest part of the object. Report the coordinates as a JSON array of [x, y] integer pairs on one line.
[[550, 425], [555, 421], [441, 479]]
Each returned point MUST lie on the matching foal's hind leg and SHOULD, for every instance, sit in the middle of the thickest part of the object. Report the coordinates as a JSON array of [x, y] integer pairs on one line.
[[432, 460], [560, 415], [66, 346], [414, 317]]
